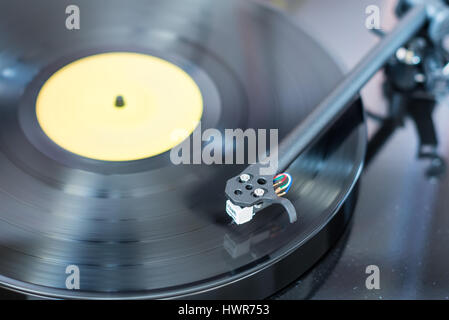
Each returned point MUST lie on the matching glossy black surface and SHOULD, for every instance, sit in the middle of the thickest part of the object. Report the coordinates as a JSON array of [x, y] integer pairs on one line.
[[401, 221], [147, 229], [400, 224]]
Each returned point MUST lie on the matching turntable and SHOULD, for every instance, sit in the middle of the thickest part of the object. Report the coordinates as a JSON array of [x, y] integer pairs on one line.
[[104, 194]]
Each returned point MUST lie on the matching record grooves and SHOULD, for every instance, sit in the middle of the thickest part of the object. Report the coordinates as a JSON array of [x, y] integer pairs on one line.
[[147, 228]]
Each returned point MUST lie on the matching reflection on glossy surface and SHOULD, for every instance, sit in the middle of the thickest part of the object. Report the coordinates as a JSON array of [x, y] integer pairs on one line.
[[400, 224]]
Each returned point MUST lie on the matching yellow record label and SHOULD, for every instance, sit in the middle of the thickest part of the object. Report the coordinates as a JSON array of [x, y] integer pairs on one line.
[[119, 106]]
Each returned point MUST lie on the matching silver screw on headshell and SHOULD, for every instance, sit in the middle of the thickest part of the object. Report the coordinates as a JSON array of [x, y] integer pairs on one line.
[[259, 192], [245, 177]]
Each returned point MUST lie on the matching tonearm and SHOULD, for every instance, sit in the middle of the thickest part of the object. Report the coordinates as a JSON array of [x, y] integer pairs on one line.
[[429, 16]]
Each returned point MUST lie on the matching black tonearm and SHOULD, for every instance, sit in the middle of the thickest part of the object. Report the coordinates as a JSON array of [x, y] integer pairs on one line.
[[429, 15]]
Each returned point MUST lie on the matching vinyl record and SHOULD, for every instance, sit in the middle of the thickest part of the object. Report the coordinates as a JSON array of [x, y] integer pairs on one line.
[[140, 226]]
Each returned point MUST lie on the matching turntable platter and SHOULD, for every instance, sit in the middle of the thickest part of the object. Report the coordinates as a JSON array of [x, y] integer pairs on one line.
[[145, 228]]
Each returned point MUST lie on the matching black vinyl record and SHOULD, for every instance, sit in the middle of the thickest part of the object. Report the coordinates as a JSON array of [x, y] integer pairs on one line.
[[148, 228]]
